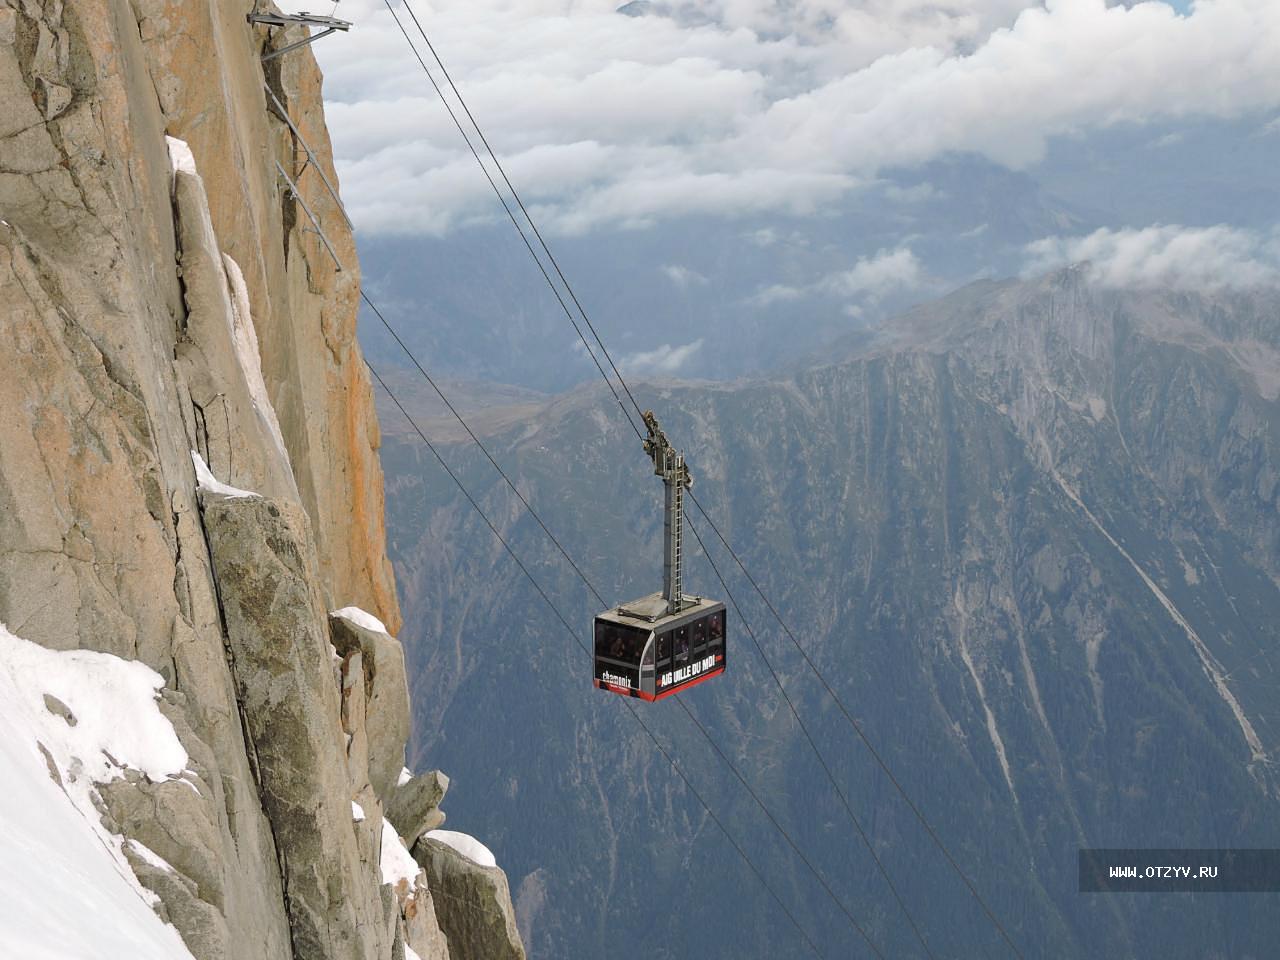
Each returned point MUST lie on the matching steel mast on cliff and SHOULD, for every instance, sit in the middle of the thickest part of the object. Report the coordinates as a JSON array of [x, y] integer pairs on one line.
[[655, 646], [304, 19], [274, 21]]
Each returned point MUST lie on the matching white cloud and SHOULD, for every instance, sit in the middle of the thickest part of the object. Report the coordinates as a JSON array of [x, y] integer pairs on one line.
[[870, 280], [682, 276], [875, 277], [665, 359], [920, 193], [776, 293], [737, 107], [1167, 256]]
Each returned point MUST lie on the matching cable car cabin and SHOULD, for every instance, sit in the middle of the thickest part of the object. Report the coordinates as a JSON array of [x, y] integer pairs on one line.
[[665, 642], [642, 651]]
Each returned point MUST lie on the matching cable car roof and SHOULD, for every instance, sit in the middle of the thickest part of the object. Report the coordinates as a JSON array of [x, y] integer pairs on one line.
[[650, 612]]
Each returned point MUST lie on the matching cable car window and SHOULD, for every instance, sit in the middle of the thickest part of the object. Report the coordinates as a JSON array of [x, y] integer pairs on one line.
[[664, 646], [699, 630], [682, 642], [715, 627], [648, 657], [617, 642]]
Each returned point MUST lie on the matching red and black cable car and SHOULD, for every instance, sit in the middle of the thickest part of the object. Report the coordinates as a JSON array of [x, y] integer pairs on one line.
[[665, 642], [653, 658]]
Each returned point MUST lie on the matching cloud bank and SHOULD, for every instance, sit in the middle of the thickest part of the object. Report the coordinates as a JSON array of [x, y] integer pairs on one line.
[[682, 276], [737, 107], [665, 359], [867, 282], [874, 277], [1168, 257]]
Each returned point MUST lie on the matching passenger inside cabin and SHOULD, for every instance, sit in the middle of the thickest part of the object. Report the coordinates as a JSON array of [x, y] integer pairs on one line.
[[717, 627]]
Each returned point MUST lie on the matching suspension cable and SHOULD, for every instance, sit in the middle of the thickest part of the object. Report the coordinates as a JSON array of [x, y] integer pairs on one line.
[[514, 222], [826, 768], [578, 640], [485, 450], [857, 728], [510, 186], [754, 796], [622, 381]]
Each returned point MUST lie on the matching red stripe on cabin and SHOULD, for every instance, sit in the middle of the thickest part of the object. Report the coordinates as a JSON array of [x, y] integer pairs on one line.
[[629, 692]]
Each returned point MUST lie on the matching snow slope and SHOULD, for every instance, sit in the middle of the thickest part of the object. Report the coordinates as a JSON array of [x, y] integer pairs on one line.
[[66, 890], [398, 865]]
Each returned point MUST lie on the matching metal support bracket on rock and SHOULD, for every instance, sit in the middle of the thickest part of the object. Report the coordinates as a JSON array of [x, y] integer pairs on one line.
[[294, 192], [331, 25], [312, 160]]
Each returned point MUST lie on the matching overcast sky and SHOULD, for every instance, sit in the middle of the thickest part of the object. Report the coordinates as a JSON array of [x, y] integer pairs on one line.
[[616, 117], [735, 106]]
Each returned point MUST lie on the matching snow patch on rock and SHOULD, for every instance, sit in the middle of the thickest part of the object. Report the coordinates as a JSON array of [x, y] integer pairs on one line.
[[361, 619], [398, 866], [67, 889], [1212, 667], [244, 337], [467, 845], [211, 484], [180, 157], [148, 855]]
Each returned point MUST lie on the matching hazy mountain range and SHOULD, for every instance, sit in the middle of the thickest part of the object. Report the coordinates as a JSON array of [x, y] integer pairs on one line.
[[717, 298], [1028, 531]]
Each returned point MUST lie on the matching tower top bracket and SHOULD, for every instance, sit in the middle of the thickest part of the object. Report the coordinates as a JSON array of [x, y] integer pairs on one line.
[[304, 19]]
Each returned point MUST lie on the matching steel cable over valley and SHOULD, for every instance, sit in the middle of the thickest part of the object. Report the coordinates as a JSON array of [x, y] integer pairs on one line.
[[858, 928], [596, 594], [577, 569], [918, 814], [573, 634]]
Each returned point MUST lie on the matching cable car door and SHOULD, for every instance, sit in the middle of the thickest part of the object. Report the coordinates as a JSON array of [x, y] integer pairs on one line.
[[647, 682]]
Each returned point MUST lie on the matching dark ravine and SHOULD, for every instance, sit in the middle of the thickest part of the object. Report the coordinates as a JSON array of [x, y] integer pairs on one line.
[[1031, 534], [189, 478]]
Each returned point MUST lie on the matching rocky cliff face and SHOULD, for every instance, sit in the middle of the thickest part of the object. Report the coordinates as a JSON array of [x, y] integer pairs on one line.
[[1029, 532], [189, 472]]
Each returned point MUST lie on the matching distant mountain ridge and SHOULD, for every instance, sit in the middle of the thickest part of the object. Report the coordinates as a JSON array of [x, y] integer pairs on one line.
[[1031, 533]]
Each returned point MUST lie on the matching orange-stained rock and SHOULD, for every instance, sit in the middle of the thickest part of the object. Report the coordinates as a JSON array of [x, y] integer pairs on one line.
[[304, 307], [130, 298]]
